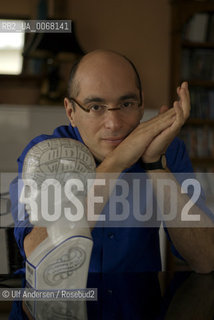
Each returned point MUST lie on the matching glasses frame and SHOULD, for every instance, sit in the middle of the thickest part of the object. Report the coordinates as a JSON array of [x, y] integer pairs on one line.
[[79, 105], [88, 110]]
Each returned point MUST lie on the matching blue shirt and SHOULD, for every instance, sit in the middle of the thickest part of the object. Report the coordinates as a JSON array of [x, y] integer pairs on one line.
[[129, 249]]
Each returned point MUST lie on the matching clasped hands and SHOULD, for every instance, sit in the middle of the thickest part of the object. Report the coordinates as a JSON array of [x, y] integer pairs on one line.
[[151, 138]]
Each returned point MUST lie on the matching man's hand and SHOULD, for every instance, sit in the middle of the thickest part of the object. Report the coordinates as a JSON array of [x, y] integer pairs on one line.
[[136, 143], [160, 143]]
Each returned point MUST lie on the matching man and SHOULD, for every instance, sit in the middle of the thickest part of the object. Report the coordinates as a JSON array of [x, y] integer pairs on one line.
[[104, 107]]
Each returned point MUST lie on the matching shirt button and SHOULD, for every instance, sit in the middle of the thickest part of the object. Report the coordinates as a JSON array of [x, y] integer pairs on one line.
[[111, 235]]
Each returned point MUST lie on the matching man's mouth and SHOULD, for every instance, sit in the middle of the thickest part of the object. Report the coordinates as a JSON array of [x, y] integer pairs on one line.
[[114, 140]]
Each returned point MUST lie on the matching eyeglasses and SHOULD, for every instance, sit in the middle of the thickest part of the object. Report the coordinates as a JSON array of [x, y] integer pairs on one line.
[[98, 109]]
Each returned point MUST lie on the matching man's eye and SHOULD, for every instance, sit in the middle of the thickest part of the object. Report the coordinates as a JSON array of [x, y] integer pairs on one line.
[[97, 108], [127, 104]]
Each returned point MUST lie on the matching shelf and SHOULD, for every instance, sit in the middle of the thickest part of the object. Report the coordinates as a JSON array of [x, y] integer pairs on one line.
[[201, 83], [198, 133], [20, 89], [18, 81], [199, 122], [189, 7], [190, 44], [203, 161], [21, 77]]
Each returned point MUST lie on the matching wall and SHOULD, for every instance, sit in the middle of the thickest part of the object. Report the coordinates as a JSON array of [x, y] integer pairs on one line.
[[18, 8], [139, 29], [18, 125]]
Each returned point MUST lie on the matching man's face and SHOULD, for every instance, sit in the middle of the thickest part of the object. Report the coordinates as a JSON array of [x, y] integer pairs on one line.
[[108, 80]]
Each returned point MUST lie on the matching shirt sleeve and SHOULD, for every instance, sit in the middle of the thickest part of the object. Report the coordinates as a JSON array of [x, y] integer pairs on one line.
[[179, 163], [178, 159]]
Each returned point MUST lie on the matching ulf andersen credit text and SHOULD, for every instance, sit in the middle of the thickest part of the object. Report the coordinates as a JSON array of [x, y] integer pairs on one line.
[[60, 294]]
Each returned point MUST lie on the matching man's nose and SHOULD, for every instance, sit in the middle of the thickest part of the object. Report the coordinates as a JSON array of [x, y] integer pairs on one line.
[[113, 119]]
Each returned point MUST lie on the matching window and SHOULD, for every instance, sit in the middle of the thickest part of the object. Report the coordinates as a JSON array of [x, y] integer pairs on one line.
[[11, 47]]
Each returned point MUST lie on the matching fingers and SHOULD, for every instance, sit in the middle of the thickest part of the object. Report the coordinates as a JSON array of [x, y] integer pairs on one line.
[[158, 123], [167, 124], [179, 120], [183, 93]]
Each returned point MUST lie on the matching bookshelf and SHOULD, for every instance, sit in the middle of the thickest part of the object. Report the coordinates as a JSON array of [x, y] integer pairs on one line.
[[192, 59]]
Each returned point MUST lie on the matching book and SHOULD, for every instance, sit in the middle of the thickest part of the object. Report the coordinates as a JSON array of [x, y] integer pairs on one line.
[[202, 64], [210, 35], [211, 104], [196, 30]]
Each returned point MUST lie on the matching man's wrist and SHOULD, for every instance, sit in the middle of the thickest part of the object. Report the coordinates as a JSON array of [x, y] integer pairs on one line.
[[109, 165], [160, 164]]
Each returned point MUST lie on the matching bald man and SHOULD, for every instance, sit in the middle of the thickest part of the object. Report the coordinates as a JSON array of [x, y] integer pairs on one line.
[[104, 107]]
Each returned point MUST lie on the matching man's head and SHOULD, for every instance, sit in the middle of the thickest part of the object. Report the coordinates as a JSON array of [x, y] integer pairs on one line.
[[104, 78]]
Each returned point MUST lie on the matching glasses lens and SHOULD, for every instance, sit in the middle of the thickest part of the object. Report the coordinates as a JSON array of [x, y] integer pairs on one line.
[[98, 110], [129, 107]]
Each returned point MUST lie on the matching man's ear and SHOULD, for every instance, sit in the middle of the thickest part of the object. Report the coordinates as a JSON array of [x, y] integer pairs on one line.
[[69, 111]]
